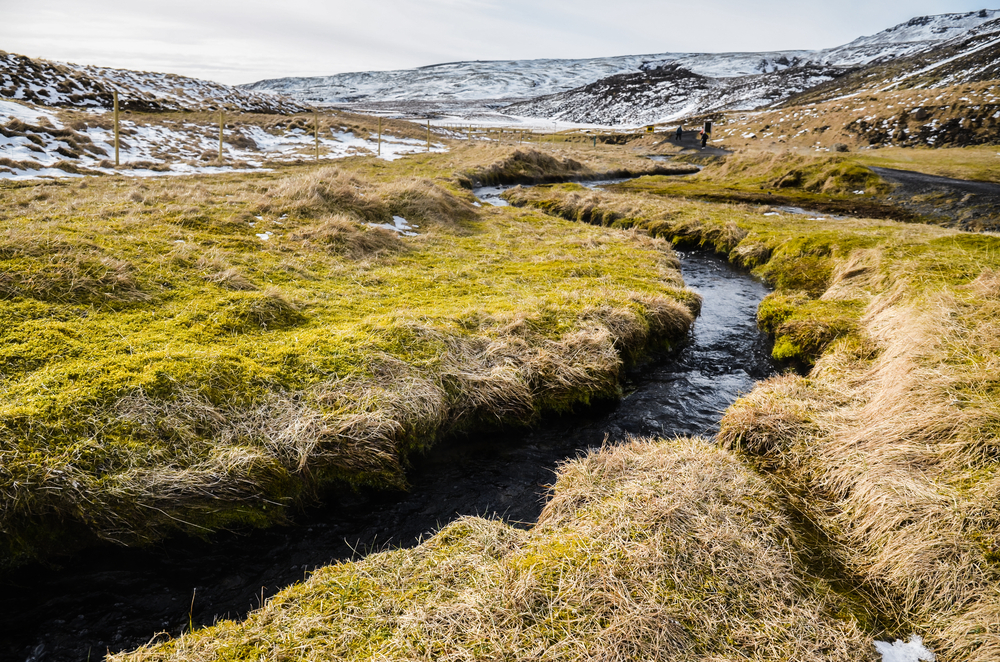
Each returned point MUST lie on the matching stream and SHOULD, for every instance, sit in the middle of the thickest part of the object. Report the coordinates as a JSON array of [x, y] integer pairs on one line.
[[109, 598]]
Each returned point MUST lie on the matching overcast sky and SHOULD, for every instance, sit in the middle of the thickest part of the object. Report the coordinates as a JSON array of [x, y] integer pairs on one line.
[[241, 41]]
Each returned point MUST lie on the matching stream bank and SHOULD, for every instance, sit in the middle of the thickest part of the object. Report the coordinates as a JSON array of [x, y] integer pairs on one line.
[[117, 599]]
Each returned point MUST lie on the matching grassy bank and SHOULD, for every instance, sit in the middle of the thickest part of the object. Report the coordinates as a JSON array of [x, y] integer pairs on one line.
[[646, 551], [975, 163], [218, 380], [827, 184], [195, 353], [888, 446]]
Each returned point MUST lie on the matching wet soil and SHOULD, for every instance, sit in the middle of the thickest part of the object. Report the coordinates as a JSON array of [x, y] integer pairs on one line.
[[964, 204], [117, 599]]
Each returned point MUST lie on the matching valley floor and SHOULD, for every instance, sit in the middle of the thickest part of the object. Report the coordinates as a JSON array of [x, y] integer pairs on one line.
[[205, 352]]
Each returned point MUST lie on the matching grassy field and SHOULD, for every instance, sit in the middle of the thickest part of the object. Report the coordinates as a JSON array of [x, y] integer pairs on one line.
[[196, 353], [164, 363], [646, 551], [888, 445], [975, 163]]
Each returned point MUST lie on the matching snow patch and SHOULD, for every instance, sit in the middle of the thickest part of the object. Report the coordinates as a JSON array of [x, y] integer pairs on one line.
[[399, 224], [911, 651], [10, 110]]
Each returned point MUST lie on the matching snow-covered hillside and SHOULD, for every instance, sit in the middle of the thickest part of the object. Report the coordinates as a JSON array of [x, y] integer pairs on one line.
[[906, 53], [917, 35], [626, 90], [460, 81], [84, 86], [48, 142], [670, 93]]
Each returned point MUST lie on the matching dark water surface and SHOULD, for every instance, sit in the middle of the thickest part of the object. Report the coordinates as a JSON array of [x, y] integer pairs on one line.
[[117, 599]]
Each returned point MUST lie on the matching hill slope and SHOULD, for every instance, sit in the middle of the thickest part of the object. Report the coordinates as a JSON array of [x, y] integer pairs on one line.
[[85, 86], [640, 89], [932, 51]]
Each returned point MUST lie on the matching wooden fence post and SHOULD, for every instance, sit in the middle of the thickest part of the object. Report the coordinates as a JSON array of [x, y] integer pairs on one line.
[[117, 162], [428, 135], [316, 132], [222, 126], [380, 136]]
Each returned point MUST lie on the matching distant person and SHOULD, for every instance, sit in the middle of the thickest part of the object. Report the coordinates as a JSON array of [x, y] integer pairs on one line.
[[704, 138], [680, 133]]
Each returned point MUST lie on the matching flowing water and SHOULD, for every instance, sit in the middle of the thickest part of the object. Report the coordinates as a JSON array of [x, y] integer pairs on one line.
[[116, 599]]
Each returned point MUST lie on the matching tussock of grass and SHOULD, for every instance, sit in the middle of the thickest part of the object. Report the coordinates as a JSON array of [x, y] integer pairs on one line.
[[166, 368], [528, 166], [331, 190], [339, 234], [545, 163], [890, 444], [646, 551], [55, 269], [830, 175]]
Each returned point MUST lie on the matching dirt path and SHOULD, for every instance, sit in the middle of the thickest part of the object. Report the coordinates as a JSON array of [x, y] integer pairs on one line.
[[968, 205], [691, 143]]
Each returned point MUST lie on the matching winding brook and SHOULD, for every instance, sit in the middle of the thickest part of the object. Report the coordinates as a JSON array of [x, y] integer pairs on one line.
[[115, 599]]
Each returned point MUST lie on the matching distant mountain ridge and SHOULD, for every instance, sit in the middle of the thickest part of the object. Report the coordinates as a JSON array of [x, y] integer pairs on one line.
[[927, 51], [62, 84], [637, 89]]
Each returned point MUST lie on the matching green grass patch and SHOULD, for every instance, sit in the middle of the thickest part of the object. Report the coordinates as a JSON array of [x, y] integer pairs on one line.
[[647, 551], [198, 353]]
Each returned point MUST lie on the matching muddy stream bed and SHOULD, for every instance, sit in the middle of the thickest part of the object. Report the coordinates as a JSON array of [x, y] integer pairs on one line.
[[115, 599]]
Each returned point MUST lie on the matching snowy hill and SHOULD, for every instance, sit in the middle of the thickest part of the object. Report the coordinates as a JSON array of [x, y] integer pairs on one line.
[[971, 57], [83, 86], [915, 36], [905, 53], [462, 81], [629, 90]]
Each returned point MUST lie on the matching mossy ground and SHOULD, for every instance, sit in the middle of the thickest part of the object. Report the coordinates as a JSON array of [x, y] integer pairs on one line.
[[646, 551], [975, 163], [668, 550], [201, 352], [888, 444]]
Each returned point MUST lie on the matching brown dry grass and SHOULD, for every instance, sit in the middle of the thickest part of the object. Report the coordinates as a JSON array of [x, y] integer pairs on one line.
[[53, 268], [330, 190], [951, 116], [891, 446], [339, 234], [646, 551]]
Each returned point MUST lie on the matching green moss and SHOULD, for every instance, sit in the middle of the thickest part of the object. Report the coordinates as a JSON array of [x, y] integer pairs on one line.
[[176, 378]]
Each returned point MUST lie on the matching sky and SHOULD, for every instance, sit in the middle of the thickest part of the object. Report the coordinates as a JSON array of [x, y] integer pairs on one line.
[[243, 41]]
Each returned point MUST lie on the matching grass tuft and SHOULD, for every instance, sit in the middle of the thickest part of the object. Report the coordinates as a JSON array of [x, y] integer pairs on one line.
[[648, 550]]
